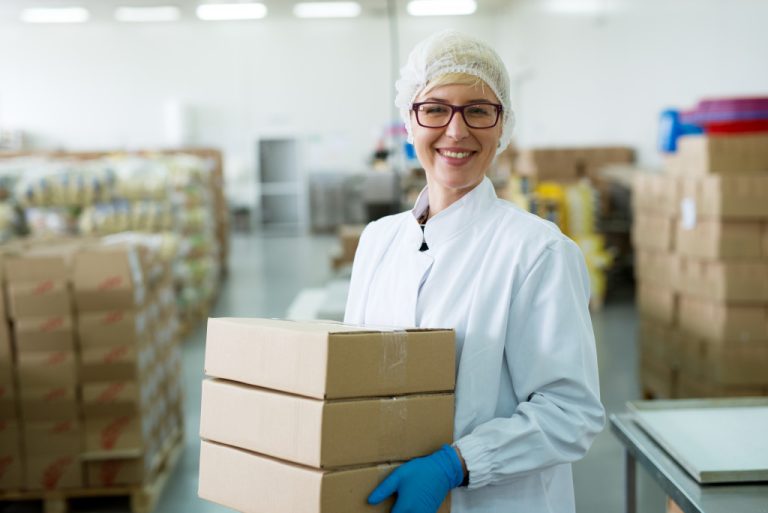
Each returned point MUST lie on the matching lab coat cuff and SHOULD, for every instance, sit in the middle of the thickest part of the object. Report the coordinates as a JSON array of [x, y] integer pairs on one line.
[[477, 458]]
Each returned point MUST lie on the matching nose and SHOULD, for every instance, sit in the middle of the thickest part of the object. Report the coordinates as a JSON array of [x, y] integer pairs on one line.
[[457, 129]]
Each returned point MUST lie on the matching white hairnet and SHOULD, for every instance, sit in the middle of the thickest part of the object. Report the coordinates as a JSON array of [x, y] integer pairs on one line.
[[453, 52]]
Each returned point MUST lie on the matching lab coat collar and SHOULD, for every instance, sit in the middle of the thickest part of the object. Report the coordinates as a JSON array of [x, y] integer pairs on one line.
[[458, 217]]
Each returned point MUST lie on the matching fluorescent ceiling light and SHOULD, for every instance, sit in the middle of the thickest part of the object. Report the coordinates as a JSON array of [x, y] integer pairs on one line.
[[575, 6], [55, 15], [326, 9], [220, 12], [142, 14], [441, 7]]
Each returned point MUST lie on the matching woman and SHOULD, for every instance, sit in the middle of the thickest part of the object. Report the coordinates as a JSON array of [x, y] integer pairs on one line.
[[511, 285]]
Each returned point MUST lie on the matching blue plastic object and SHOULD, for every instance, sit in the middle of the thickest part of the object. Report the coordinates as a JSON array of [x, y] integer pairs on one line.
[[671, 128]]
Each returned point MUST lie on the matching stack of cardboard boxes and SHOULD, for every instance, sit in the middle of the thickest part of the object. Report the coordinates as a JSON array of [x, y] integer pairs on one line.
[[349, 238], [312, 416], [89, 389], [701, 239], [42, 315]]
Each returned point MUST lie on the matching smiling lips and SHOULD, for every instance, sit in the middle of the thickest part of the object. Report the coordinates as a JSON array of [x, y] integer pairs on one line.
[[455, 153]]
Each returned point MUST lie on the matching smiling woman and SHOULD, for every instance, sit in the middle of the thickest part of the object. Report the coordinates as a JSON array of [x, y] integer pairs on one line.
[[514, 289]]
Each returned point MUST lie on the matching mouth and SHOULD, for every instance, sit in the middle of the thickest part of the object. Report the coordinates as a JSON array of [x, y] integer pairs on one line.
[[455, 154]]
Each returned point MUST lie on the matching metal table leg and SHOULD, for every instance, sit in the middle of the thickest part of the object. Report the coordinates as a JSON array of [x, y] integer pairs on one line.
[[631, 483]]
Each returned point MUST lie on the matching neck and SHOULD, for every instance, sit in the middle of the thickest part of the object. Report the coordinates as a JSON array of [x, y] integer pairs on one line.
[[441, 198]]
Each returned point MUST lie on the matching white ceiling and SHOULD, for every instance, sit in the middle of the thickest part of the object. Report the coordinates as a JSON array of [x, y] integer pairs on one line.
[[103, 9]]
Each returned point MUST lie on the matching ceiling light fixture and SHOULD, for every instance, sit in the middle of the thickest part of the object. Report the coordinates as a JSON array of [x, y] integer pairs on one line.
[[441, 7], [222, 12], [327, 10], [55, 15], [147, 14]]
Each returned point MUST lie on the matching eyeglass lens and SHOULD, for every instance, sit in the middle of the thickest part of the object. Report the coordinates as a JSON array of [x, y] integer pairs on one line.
[[436, 115]]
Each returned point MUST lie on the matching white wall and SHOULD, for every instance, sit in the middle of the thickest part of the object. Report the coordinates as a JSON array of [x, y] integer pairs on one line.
[[580, 80]]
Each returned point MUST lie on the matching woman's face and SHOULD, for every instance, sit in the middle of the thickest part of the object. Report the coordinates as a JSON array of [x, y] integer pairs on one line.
[[456, 156]]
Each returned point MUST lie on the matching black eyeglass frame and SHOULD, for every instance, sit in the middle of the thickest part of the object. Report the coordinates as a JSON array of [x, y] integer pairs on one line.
[[458, 108]]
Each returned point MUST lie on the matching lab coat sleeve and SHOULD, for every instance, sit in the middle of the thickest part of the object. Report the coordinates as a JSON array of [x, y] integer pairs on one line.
[[354, 312], [550, 354]]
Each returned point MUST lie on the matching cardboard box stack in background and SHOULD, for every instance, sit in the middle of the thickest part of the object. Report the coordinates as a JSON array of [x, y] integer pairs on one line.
[[703, 272], [323, 415], [11, 471], [349, 238], [129, 361], [41, 311]]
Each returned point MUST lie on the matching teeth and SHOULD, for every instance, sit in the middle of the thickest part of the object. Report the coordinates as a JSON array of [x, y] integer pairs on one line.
[[455, 155]]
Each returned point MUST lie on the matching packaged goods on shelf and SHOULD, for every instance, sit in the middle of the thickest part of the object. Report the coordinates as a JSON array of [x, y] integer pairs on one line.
[[325, 412], [722, 154]]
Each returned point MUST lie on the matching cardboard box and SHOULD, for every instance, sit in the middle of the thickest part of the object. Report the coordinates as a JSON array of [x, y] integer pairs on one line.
[[329, 360], [723, 154], [121, 362], [721, 239], [725, 197], [11, 470], [656, 194], [6, 352], [325, 434], [744, 364], [51, 403], [117, 472], [654, 233], [53, 472], [108, 278], [124, 434], [47, 369], [659, 381], [32, 266], [113, 398], [35, 334], [47, 438], [112, 327], [349, 236], [736, 280], [659, 345], [656, 267], [252, 483], [7, 397], [657, 303], [723, 323], [36, 299]]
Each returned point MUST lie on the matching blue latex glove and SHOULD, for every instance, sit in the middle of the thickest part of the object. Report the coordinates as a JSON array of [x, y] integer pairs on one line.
[[422, 483]]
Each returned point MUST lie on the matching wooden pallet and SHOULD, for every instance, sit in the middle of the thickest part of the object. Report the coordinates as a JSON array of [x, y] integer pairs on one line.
[[143, 498]]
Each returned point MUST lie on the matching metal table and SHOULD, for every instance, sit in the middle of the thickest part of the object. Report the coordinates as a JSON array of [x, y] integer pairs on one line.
[[676, 482]]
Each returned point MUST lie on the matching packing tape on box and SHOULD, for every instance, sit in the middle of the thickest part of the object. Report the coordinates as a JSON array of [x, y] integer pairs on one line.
[[393, 368], [393, 417]]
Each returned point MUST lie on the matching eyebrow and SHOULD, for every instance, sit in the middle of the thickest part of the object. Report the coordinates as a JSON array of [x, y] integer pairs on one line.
[[441, 100]]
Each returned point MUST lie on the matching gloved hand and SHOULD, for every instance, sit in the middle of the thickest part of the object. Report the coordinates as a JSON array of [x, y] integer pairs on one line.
[[422, 483]]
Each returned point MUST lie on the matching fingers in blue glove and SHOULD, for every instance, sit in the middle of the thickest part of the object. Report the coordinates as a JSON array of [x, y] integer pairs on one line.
[[421, 484]]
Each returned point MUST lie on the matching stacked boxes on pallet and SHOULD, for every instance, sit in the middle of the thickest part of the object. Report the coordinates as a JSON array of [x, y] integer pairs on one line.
[[41, 311], [704, 292], [129, 361], [312, 416], [11, 474]]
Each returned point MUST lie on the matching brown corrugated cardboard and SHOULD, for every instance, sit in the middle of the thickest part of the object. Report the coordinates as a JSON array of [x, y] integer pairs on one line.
[[725, 197], [121, 433], [112, 327], [108, 278], [349, 236], [46, 438], [119, 472], [252, 483], [657, 303], [743, 364], [53, 472], [29, 267], [47, 369], [736, 280], [11, 470], [111, 398], [5, 339], [724, 323], [659, 344], [330, 360], [723, 154], [325, 433], [656, 267], [34, 334], [720, 239], [37, 299], [113, 362], [59, 402], [7, 397], [654, 233], [656, 193]]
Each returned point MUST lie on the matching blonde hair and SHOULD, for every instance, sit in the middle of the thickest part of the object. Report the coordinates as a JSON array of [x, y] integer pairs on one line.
[[454, 79]]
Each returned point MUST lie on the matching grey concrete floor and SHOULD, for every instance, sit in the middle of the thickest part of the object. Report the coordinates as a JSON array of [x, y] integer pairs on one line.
[[266, 273]]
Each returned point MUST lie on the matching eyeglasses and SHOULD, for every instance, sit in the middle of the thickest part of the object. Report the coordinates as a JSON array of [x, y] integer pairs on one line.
[[439, 115]]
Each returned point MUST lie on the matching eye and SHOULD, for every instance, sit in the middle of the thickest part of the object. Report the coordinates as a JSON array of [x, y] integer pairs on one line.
[[479, 110], [434, 109]]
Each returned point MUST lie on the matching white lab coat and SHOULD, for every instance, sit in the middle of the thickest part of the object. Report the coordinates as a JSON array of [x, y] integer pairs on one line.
[[516, 291]]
